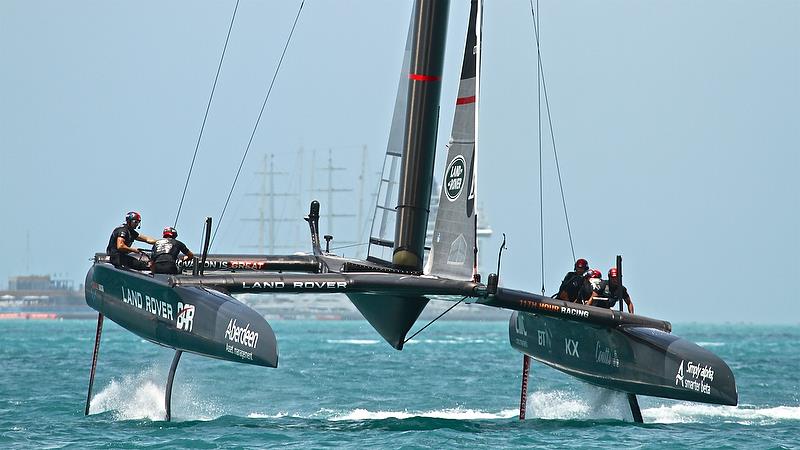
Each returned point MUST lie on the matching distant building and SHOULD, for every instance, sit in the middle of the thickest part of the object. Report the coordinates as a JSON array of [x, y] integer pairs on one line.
[[38, 283], [43, 297]]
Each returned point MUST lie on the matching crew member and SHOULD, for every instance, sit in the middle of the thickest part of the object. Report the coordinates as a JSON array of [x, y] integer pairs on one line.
[[599, 298], [596, 280], [576, 287], [166, 250], [119, 244], [615, 291]]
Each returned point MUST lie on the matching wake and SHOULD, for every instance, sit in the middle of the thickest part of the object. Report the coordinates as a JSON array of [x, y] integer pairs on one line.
[[742, 414], [595, 403], [141, 396]]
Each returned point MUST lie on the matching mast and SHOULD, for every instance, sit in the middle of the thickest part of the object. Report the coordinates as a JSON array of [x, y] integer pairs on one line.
[[419, 143], [330, 216], [266, 210]]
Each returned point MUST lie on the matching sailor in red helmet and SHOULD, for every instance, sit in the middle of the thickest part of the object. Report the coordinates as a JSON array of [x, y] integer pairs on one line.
[[119, 244], [614, 291], [596, 280], [576, 287], [166, 251]]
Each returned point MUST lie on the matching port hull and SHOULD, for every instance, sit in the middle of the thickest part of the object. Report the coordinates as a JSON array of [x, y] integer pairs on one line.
[[193, 319]]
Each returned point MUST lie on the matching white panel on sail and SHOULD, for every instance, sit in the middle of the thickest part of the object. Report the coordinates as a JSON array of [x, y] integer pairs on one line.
[[453, 246]]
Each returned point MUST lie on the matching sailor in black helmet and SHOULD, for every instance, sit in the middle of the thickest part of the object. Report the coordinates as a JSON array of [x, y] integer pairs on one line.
[[576, 286], [166, 251], [119, 244]]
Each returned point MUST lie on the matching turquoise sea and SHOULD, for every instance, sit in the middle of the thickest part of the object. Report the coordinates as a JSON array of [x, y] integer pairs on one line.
[[339, 385]]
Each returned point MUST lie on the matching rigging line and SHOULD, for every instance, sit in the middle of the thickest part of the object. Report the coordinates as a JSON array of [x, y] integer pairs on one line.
[[553, 140], [539, 118], [255, 127], [558, 169], [434, 320], [205, 117]]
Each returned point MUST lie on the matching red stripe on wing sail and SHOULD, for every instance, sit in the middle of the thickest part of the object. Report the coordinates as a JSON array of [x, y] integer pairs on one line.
[[420, 77], [465, 100]]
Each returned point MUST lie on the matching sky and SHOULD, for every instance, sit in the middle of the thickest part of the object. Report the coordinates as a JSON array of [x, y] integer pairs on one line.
[[676, 125]]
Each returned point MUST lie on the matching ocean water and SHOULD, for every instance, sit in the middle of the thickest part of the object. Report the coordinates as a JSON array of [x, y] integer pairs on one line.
[[339, 385]]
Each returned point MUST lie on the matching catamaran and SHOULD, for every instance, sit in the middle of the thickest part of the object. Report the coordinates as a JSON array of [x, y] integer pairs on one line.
[[195, 312]]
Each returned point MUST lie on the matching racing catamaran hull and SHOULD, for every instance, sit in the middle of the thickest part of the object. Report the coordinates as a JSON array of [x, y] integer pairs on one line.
[[191, 319], [632, 359]]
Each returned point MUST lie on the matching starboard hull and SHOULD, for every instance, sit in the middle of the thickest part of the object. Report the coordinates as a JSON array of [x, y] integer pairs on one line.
[[191, 319], [633, 359]]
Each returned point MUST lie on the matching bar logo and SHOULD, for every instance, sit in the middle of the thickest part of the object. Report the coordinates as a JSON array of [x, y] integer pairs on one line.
[[185, 319]]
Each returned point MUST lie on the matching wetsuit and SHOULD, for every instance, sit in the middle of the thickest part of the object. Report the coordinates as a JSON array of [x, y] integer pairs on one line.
[[118, 258], [577, 287], [165, 255]]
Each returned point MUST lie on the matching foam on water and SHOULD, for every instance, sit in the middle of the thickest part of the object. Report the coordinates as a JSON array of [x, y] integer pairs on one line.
[[598, 403], [141, 396], [130, 399], [592, 403], [742, 414]]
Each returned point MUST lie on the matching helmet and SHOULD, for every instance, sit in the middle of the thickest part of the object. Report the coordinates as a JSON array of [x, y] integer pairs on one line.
[[596, 274], [170, 232], [612, 272], [133, 216], [582, 263]]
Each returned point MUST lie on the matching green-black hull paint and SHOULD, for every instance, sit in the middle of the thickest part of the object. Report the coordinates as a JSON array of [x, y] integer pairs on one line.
[[632, 359], [211, 323]]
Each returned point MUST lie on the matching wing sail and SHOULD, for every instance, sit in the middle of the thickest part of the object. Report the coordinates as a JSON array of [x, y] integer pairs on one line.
[[453, 248], [381, 238]]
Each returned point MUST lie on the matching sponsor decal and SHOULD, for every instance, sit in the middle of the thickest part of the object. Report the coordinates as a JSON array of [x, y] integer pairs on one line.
[[571, 347], [606, 355], [521, 338], [185, 318], [319, 284], [574, 312], [96, 291], [521, 333], [566, 310], [470, 203], [152, 305], [240, 353], [544, 338], [533, 304], [299, 285], [227, 265], [249, 265], [208, 265], [454, 179], [241, 335], [695, 377], [264, 285], [520, 325]]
